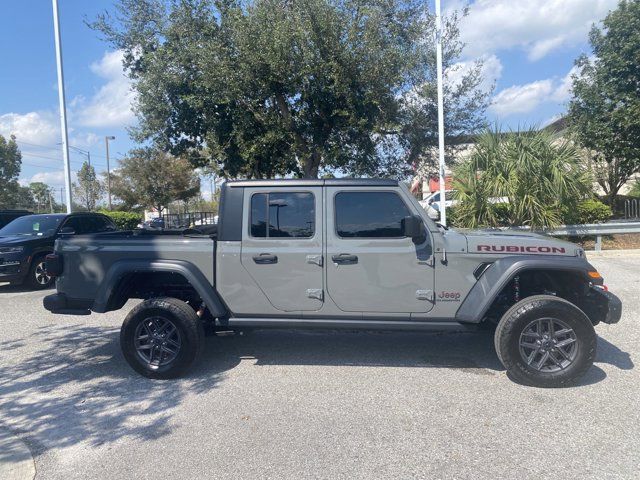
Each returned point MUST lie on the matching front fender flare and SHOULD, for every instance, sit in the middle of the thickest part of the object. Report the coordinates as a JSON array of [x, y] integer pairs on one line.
[[188, 270], [498, 275]]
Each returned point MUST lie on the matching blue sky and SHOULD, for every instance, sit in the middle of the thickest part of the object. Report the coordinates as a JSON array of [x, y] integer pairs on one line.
[[528, 48]]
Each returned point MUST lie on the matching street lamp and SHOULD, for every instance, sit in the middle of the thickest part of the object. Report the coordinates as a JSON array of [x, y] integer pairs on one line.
[[106, 142]]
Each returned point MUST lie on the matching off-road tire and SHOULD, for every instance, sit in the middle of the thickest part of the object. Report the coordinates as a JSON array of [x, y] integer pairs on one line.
[[36, 272], [519, 316], [188, 326]]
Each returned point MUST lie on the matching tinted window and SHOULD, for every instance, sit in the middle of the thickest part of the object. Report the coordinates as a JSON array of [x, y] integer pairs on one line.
[[369, 214], [89, 224], [98, 224], [290, 215], [74, 223]]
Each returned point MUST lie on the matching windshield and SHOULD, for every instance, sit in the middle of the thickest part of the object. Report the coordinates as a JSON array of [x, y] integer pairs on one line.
[[33, 225]]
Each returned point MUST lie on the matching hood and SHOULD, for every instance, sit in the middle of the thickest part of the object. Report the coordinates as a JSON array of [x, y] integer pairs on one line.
[[21, 240], [503, 242]]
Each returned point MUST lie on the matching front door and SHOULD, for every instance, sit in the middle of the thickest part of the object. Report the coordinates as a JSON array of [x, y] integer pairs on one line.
[[282, 245], [371, 266]]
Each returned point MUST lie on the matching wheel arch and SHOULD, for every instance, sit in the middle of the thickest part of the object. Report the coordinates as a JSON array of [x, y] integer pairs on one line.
[[114, 285], [498, 276]]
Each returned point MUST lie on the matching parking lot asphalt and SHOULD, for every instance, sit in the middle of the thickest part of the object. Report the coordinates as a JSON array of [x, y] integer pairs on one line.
[[324, 404]]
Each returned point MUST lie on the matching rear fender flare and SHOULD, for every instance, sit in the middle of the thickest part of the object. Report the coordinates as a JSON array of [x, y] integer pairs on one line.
[[188, 270], [500, 273]]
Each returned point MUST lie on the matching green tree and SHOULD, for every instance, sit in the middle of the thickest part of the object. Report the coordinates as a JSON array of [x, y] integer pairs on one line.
[[10, 165], [23, 198], [88, 189], [42, 195], [605, 109], [281, 87], [519, 178], [150, 178]]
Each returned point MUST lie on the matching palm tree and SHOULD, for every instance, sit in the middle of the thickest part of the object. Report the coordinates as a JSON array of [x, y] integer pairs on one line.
[[539, 174]]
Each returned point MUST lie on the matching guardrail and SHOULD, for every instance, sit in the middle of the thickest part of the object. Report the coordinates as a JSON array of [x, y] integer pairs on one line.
[[594, 229], [589, 229]]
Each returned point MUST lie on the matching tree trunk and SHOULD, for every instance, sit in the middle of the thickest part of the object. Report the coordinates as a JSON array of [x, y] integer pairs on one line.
[[311, 166]]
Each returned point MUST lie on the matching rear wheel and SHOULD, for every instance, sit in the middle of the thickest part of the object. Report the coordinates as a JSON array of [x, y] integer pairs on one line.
[[161, 337], [37, 277], [545, 341]]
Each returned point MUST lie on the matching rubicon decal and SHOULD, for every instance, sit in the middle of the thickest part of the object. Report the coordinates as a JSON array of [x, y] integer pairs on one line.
[[520, 249]]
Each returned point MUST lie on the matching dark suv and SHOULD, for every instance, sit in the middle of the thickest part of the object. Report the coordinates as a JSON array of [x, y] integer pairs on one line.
[[8, 216], [26, 241]]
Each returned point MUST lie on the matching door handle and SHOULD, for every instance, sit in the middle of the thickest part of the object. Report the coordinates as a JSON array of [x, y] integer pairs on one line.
[[265, 258], [345, 259]]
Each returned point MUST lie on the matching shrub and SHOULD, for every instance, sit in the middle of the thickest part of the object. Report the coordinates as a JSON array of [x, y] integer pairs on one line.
[[124, 220], [538, 174], [587, 211]]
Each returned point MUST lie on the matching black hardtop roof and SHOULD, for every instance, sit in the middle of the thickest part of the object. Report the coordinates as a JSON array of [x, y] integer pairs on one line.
[[315, 182], [72, 214]]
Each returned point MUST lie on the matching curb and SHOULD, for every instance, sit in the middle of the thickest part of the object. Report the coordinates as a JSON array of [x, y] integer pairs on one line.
[[16, 462]]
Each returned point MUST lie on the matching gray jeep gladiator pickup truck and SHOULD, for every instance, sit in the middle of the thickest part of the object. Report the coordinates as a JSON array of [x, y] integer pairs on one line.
[[352, 253]]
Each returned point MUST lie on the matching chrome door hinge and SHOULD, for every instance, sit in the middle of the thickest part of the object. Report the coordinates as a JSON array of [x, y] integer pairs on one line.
[[315, 259], [316, 293], [425, 295]]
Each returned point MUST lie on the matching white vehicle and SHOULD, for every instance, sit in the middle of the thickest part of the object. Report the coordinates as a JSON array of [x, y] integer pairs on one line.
[[431, 204]]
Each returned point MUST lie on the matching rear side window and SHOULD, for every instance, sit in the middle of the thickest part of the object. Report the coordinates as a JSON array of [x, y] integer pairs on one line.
[[369, 214], [283, 215], [99, 224]]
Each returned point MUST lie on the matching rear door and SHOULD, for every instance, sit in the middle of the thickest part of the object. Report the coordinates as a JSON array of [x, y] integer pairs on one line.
[[282, 245], [371, 266]]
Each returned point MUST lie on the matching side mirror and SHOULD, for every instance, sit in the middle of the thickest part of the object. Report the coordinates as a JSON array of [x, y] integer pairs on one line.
[[67, 231], [413, 227]]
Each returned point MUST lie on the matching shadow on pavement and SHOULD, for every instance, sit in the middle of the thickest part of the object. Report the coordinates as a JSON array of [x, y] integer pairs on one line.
[[77, 387], [11, 288]]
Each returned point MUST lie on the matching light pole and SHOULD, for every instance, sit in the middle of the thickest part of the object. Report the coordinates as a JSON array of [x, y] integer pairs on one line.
[[63, 107], [106, 142], [443, 208]]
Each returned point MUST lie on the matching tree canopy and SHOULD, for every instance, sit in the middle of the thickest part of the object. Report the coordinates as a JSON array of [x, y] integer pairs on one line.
[[260, 88], [150, 178], [10, 165], [88, 189], [604, 112]]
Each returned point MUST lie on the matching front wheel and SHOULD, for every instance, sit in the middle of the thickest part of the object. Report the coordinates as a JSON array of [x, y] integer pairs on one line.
[[545, 341], [38, 278], [161, 337]]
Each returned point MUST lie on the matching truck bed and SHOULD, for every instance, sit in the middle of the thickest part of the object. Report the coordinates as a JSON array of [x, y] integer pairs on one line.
[[90, 259]]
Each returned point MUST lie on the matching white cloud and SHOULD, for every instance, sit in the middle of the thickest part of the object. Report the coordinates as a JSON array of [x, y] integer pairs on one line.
[[491, 71], [111, 105], [53, 178], [521, 98], [527, 97], [32, 127], [539, 27]]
